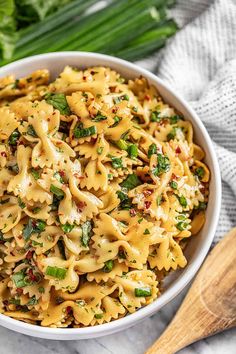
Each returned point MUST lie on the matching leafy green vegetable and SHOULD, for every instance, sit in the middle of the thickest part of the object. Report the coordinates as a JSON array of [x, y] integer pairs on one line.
[[58, 101], [14, 137], [131, 182], [155, 116], [31, 131], [133, 151], [143, 292], [32, 301], [35, 173], [57, 191], [199, 172], [163, 165], [152, 150], [116, 162], [125, 203], [86, 233], [56, 272], [174, 185], [108, 266], [99, 117], [174, 119], [80, 132], [67, 227], [20, 279], [33, 226]]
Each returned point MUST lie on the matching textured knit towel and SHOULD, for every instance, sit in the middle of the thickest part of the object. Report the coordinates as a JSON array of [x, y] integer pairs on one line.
[[200, 63]]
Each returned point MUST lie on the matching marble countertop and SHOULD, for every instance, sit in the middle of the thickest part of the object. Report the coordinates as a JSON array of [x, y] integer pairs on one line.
[[135, 340]]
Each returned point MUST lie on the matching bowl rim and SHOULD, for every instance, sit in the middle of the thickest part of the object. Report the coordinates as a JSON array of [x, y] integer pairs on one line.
[[182, 281]]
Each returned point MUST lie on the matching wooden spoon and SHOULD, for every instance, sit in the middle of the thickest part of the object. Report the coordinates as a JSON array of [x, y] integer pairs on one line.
[[210, 305]]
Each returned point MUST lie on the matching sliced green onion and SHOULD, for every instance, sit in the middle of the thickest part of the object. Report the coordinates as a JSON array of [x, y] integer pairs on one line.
[[183, 201], [108, 266], [122, 144], [152, 150], [116, 162], [57, 191], [59, 273], [133, 151], [174, 185], [155, 116], [67, 228], [143, 292], [99, 117]]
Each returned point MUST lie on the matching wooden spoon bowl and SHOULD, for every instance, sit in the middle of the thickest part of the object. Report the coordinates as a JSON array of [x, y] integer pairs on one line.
[[210, 305]]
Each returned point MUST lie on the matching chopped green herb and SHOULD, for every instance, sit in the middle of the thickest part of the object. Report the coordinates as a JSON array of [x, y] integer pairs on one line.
[[31, 131], [163, 165], [155, 116], [59, 273], [80, 132], [99, 117], [14, 301], [202, 206], [146, 232], [133, 151], [182, 225], [174, 185], [116, 162], [125, 203], [57, 191], [28, 230], [36, 210], [116, 121], [110, 175], [108, 266], [159, 200], [143, 292], [124, 97], [20, 279], [41, 289], [174, 119], [100, 150], [58, 101], [33, 226], [14, 137], [33, 301], [131, 182], [199, 172], [122, 144], [98, 315], [35, 173], [21, 203], [152, 150], [182, 201], [86, 233], [67, 228], [172, 134]]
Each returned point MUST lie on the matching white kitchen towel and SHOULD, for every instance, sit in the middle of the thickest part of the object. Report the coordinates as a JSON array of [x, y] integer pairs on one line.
[[200, 63]]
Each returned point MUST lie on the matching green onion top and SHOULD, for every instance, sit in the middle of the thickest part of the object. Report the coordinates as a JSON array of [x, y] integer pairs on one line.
[[155, 116], [133, 151], [174, 185], [59, 273], [80, 132], [143, 292], [183, 201], [99, 117]]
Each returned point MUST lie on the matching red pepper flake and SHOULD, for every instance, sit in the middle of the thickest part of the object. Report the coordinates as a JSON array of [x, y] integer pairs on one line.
[[178, 150], [62, 173], [81, 206], [3, 154], [147, 97], [29, 254], [68, 310], [93, 140], [19, 291], [5, 302], [31, 275], [147, 204], [114, 110], [132, 212], [84, 78], [173, 176], [92, 72], [147, 192]]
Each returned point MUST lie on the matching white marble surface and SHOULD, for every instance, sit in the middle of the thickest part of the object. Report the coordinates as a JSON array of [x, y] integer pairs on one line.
[[132, 341]]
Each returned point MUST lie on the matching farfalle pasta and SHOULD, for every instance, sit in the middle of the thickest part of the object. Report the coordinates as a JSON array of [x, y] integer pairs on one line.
[[101, 187]]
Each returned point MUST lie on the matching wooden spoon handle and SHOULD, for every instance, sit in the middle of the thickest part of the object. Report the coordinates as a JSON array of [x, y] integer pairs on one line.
[[210, 305]]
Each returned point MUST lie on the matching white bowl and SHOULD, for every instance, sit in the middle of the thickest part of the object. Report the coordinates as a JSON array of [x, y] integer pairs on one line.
[[197, 247]]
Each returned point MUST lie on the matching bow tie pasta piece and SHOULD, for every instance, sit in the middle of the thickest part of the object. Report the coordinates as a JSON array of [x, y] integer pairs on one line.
[[167, 254], [98, 150], [5, 177], [46, 239], [95, 176], [24, 184], [8, 123], [60, 273], [10, 213], [137, 288]]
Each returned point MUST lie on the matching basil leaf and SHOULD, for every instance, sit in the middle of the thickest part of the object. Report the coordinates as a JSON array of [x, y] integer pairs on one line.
[[131, 182], [58, 101]]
